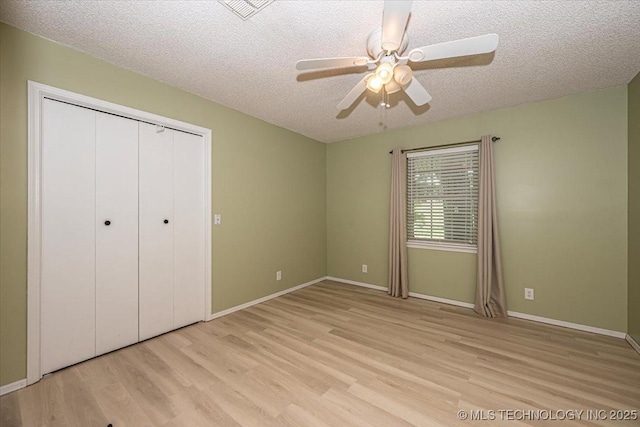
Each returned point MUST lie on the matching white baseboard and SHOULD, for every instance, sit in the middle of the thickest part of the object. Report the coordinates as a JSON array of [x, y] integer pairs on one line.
[[633, 343], [569, 325], [8, 388], [442, 300], [411, 294], [353, 282], [263, 299], [515, 314]]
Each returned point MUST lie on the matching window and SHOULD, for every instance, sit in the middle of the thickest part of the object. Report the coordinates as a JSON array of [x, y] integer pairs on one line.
[[442, 198]]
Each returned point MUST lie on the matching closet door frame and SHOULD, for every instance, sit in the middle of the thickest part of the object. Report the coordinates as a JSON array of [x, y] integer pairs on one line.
[[37, 92]]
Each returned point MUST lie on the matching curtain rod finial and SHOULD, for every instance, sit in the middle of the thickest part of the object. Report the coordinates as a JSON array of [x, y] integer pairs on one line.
[[495, 138]]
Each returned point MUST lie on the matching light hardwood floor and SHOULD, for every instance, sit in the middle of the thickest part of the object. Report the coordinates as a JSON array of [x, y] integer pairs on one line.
[[338, 355]]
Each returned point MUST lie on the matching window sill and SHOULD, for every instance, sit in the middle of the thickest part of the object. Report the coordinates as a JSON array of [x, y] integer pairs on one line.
[[443, 247]]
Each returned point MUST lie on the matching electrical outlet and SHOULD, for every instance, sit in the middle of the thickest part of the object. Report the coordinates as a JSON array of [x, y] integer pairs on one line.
[[216, 219], [278, 275], [364, 268], [528, 293]]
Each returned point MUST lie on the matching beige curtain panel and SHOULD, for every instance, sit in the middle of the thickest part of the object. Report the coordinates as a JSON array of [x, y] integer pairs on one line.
[[398, 280], [490, 294]]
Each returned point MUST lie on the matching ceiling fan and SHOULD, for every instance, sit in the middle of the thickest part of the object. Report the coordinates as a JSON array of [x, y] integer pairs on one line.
[[393, 72]]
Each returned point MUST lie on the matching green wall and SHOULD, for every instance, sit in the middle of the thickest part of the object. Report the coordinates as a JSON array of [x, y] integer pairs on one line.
[[634, 209], [561, 171], [269, 184]]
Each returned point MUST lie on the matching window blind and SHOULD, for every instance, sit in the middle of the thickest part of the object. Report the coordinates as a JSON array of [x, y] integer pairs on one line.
[[442, 196]]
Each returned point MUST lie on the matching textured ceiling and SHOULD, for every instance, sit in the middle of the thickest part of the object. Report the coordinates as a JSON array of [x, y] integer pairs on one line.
[[546, 50]]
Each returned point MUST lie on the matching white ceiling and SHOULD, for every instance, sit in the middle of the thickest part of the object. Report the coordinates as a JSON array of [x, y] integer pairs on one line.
[[547, 49]]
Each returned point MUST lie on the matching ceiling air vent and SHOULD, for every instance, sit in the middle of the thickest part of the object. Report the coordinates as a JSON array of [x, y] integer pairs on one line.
[[246, 8]]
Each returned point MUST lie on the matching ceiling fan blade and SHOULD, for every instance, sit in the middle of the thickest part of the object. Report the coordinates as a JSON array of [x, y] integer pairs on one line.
[[394, 22], [471, 46], [312, 64], [417, 93], [351, 97]]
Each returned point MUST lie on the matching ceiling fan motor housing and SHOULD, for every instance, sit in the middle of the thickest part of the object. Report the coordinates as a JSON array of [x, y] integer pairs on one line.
[[374, 44]]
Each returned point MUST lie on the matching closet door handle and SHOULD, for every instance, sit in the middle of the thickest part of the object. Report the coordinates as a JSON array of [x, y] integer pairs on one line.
[[107, 223], [166, 221]]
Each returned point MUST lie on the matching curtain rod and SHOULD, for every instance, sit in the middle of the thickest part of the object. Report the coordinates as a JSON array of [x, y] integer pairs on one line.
[[494, 139]]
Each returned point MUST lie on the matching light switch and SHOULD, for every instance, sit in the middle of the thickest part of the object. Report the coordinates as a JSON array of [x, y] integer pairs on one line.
[[216, 219]]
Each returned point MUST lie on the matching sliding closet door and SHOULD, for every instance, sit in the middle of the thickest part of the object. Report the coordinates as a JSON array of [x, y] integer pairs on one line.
[[188, 228], [68, 235], [155, 230], [116, 232]]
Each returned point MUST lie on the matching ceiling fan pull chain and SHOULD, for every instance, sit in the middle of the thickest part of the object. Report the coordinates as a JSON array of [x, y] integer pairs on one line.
[[383, 112]]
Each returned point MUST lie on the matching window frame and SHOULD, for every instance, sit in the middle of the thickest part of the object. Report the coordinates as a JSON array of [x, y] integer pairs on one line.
[[433, 244]]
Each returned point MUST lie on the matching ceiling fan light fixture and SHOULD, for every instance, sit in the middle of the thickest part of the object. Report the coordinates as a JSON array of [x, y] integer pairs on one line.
[[374, 84], [385, 72], [392, 87], [402, 74]]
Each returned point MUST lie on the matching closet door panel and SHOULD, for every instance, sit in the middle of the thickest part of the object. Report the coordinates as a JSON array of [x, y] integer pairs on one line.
[[155, 236], [68, 235], [117, 242], [188, 229]]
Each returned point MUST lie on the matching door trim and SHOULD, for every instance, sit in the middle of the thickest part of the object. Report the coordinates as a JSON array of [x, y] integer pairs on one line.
[[36, 94]]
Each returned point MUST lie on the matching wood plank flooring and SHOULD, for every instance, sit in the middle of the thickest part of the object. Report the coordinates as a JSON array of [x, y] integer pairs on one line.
[[338, 355]]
